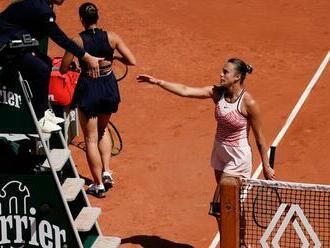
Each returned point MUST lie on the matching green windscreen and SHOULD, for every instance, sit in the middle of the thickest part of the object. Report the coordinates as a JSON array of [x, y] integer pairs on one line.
[[15, 115]]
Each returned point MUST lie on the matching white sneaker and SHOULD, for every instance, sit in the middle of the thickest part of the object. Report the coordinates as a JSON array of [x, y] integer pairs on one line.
[[107, 179], [48, 126], [96, 190], [50, 116]]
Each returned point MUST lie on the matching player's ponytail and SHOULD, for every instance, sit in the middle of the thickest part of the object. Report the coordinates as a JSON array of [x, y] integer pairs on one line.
[[249, 68]]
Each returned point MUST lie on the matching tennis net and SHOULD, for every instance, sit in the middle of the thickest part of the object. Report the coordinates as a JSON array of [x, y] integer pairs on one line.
[[283, 214]]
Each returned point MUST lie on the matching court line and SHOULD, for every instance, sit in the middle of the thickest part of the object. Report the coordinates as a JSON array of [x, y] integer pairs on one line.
[[287, 124]]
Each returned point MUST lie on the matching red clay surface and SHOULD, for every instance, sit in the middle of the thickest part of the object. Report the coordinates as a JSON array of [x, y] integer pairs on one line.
[[163, 179]]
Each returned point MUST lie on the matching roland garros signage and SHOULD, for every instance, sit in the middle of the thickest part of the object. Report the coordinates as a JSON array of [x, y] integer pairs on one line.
[[29, 220]]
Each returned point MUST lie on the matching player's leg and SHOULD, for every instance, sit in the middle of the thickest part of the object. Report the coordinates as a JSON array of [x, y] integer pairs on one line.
[[105, 147], [218, 164], [215, 209], [90, 130]]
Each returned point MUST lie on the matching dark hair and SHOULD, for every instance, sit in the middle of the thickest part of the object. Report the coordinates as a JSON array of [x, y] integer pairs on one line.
[[88, 13], [241, 67]]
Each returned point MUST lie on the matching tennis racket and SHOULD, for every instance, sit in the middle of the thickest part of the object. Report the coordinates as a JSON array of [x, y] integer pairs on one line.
[[117, 143], [120, 69], [267, 200]]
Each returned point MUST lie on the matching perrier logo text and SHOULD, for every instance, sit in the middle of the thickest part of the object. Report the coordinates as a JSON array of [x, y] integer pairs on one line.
[[18, 222]]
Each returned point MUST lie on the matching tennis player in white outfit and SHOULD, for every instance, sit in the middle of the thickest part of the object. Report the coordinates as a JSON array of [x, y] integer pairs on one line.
[[235, 112]]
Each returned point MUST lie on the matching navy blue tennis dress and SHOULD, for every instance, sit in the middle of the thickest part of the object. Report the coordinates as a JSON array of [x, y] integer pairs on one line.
[[100, 95]]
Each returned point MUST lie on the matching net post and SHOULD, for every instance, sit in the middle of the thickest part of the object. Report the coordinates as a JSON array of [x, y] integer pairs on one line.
[[230, 212]]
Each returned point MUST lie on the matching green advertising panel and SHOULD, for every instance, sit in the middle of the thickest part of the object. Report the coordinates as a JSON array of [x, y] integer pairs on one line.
[[14, 111], [32, 213]]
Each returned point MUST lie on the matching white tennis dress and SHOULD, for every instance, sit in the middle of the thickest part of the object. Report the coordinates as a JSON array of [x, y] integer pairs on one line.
[[231, 150]]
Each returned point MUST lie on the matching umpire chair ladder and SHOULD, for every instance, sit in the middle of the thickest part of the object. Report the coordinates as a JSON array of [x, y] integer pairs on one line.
[[55, 189]]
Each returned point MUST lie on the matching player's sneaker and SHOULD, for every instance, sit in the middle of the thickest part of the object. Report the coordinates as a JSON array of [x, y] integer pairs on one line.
[[96, 190], [108, 181]]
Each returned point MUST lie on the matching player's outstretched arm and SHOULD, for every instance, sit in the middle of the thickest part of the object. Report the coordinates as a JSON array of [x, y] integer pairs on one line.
[[178, 88]]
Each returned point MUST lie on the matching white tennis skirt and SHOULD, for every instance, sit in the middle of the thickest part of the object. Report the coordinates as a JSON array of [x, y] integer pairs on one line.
[[236, 161]]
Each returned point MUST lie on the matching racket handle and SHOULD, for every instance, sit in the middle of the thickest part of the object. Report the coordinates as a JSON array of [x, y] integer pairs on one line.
[[272, 156]]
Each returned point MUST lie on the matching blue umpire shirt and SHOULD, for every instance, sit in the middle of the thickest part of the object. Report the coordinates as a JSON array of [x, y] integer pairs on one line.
[[37, 18]]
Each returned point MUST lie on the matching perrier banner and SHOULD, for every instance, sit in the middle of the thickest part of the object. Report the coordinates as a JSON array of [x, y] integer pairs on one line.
[[14, 112], [32, 213]]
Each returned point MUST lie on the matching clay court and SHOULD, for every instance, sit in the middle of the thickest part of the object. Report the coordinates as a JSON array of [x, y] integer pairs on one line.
[[164, 182]]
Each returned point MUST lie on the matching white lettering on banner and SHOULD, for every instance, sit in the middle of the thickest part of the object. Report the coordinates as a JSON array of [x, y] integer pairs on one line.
[[293, 213], [21, 220], [10, 98]]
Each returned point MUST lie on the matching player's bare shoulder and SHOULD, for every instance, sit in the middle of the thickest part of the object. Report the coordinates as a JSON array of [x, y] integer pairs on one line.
[[249, 105], [114, 39], [248, 99], [113, 36]]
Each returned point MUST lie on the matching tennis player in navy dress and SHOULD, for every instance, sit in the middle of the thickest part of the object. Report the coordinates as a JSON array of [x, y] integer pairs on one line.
[[97, 98]]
